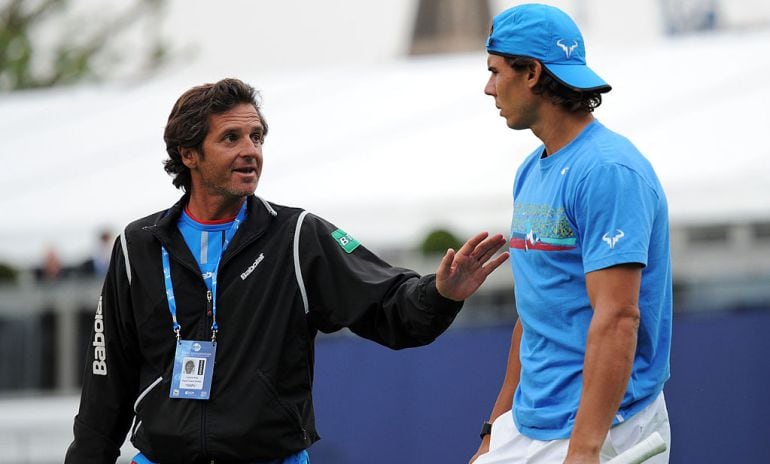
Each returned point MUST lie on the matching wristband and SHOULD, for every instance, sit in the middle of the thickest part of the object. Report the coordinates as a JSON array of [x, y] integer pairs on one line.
[[486, 429]]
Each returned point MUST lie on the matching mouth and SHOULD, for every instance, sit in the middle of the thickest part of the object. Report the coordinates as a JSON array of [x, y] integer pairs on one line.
[[248, 170]]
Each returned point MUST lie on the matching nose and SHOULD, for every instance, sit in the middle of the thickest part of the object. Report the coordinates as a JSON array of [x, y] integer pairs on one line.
[[250, 149], [489, 89]]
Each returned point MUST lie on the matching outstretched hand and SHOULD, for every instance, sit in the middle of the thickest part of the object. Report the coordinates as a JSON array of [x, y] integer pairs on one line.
[[461, 273]]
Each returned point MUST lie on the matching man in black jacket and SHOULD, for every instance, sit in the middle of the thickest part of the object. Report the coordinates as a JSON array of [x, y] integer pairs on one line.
[[225, 276]]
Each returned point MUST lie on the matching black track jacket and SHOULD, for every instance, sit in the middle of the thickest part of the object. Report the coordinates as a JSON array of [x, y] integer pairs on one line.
[[278, 284]]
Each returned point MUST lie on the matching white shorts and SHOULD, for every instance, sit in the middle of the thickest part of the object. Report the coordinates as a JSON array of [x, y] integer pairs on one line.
[[508, 446]]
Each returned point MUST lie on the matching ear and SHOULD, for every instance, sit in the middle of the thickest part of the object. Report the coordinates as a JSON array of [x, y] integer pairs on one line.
[[189, 157], [533, 75]]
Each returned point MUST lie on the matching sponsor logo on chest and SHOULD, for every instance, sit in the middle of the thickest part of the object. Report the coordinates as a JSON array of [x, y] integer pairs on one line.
[[253, 266]]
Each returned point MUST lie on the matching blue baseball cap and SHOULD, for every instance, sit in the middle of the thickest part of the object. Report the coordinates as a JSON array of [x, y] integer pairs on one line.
[[550, 36]]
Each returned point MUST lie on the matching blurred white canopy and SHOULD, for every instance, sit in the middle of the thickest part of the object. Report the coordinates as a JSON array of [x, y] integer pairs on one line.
[[386, 150]]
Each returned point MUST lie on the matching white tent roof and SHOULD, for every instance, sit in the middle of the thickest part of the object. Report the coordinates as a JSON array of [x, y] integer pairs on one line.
[[386, 151]]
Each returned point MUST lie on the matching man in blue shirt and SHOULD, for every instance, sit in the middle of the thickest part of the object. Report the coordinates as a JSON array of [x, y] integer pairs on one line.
[[590, 254]]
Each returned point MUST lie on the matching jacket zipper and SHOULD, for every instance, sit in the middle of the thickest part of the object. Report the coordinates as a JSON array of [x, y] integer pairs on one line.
[[209, 306], [204, 448], [209, 313]]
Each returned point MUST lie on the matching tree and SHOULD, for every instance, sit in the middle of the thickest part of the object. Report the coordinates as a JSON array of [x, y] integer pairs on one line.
[[437, 242], [76, 48], [8, 273]]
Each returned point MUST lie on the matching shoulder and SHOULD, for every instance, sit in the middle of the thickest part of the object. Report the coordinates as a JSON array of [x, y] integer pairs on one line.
[[311, 228], [292, 218], [607, 153], [282, 211], [139, 226], [281, 216], [315, 223], [608, 147]]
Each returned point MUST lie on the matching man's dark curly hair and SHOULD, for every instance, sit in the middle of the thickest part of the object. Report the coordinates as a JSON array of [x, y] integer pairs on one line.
[[188, 122], [559, 93]]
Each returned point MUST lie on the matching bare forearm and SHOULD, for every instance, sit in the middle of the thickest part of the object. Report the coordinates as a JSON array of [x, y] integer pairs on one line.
[[607, 367]]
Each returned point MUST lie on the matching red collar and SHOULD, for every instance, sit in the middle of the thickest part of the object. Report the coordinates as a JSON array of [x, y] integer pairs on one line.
[[209, 223]]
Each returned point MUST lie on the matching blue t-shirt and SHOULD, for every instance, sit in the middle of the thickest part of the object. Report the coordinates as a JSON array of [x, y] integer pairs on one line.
[[593, 204], [205, 242]]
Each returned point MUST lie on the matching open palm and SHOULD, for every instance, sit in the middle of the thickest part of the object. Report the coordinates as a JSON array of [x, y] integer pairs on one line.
[[461, 273]]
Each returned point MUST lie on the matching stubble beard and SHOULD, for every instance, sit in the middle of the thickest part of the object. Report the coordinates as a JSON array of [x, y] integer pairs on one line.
[[229, 192], [235, 193]]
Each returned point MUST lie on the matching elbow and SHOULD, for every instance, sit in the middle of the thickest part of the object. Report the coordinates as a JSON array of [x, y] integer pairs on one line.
[[629, 315], [620, 320]]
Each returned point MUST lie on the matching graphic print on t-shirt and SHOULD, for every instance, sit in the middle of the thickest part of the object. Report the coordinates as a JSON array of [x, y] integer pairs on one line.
[[541, 227]]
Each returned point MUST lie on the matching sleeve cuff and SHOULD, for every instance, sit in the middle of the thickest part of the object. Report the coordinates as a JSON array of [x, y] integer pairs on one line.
[[433, 301]]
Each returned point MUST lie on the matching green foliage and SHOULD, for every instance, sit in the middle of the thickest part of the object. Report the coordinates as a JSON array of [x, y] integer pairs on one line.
[[437, 242], [8, 273], [77, 47]]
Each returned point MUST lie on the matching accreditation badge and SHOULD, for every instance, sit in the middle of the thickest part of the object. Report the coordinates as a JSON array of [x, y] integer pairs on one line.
[[193, 370]]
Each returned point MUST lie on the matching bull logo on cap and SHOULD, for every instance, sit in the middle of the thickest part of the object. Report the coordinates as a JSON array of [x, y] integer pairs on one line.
[[567, 50]]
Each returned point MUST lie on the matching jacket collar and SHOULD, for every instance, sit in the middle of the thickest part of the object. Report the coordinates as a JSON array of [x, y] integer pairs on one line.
[[259, 217]]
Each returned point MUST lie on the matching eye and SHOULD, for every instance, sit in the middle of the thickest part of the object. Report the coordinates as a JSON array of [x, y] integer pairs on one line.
[[257, 138], [230, 137]]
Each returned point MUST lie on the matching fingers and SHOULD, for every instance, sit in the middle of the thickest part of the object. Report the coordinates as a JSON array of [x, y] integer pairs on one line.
[[495, 263], [481, 247], [488, 247], [445, 283], [445, 266], [472, 243], [461, 273]]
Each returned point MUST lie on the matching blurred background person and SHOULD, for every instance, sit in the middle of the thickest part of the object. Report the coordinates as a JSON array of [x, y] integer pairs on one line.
[[96, 265], [51, 268]]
